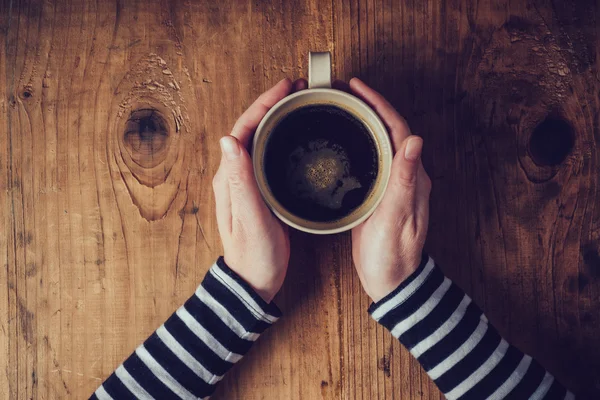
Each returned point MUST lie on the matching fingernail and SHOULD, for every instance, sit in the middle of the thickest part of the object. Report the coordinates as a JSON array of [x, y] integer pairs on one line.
[[413, 148], [229, 147]]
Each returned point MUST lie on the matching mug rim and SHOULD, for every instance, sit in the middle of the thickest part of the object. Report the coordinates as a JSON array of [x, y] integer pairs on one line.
[[384, 150]]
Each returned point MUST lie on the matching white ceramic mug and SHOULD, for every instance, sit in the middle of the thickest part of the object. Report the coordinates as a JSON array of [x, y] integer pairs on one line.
[[319, 92]]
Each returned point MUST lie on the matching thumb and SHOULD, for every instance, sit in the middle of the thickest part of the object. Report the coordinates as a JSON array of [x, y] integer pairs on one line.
[[401, 192], [246, 199]]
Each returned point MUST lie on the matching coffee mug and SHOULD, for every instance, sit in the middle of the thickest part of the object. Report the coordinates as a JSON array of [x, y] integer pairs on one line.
[[322, 158]]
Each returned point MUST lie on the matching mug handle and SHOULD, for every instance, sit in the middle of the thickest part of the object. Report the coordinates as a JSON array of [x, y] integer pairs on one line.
[[319, 70]]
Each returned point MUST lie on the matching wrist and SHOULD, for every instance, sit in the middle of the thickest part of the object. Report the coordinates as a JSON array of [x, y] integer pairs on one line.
[[266, 291], [259, 280], [395, 277], [389, 285], [243, 291], [422, 269]]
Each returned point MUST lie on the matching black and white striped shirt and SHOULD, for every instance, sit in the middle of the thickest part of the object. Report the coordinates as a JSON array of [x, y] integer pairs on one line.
[[189, 354]]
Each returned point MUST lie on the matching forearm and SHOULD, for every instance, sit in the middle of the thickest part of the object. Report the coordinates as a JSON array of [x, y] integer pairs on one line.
[[457, 346], [189, 354]]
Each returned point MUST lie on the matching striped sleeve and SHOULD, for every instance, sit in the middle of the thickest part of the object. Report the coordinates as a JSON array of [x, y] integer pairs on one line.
[[188, 355], [454, 342]]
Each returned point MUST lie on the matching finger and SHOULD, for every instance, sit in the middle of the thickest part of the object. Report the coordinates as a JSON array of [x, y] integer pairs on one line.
[[246, 125], [422, 197], [400, 196], [341, 85], [396, 125], [246, 200], [222, 200], [299, 84]]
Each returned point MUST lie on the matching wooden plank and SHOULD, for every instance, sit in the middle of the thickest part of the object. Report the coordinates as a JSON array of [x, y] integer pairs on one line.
[[310, 296], [105, 234], [7, 278]]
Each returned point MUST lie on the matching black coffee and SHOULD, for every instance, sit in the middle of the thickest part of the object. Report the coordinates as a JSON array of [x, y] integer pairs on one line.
[[320, 162]]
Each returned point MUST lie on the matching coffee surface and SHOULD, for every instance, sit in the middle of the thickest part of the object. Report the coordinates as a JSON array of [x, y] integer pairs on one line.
[[320, 162]]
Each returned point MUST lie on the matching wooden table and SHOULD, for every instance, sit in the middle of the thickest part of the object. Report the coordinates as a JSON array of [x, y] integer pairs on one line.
[[107, 210]]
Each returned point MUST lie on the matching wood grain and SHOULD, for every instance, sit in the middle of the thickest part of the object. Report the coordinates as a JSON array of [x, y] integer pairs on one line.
[[110, 114]]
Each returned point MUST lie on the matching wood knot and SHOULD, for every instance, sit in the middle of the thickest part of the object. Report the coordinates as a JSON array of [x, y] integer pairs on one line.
[[146, 137], [150, 136], [547, 141], [27, 93], [551, 142], [385, 366]]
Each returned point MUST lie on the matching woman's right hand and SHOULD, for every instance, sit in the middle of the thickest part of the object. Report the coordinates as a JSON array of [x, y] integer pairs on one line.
[[256, 244], [387, 247]]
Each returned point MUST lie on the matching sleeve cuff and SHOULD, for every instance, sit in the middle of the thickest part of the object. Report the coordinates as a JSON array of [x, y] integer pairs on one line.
[[244, 292], [405, 290]]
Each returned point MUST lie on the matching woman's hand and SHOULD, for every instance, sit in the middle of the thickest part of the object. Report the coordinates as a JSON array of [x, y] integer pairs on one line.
[[256, 244], [387, 247]]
